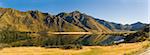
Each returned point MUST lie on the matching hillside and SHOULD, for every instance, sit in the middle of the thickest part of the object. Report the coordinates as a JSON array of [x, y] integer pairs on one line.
[[74, 21], [37, 21]]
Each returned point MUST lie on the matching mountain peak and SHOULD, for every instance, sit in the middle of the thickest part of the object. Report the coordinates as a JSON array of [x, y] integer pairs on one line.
[[137, 23], [62, 14], [75, 12]]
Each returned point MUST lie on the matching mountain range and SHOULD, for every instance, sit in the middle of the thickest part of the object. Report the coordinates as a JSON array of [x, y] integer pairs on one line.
[[75, 21], [120, 27]]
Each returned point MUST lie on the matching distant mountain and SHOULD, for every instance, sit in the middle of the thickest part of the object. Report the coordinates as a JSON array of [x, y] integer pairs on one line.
[[37, 21], [141, 35], [137, 26], [120, 27], [111, 25]]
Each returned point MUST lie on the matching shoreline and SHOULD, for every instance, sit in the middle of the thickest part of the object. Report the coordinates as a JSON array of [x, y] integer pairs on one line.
[[124, 48]]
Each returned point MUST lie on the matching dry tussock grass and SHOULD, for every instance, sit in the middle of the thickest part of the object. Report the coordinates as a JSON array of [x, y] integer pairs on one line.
[[121, 49]]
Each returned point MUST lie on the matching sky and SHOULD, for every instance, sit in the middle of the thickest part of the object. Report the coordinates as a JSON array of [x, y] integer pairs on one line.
[[119, 11]]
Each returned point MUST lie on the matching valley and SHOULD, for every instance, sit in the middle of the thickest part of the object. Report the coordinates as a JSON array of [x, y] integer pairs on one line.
[[74, 33]]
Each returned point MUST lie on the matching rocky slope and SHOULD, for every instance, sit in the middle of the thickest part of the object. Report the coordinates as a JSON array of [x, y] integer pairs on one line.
[[74, 21], [37, 21]]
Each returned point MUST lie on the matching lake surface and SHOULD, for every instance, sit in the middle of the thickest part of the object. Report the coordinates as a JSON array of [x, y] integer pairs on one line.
[[49, 39], [83, 39]]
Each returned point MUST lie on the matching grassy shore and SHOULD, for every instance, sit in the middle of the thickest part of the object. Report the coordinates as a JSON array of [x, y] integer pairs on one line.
[[121, 49]]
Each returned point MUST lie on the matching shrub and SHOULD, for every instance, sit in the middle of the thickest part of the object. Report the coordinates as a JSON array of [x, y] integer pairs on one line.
[[72, 47]]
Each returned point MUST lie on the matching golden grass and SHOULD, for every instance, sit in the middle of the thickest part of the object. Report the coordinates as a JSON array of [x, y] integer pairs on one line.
[[121, 49]]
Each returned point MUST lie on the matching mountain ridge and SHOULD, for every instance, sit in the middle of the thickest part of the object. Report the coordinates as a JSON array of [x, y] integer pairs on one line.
[[120, 27], [38, 21], [73, 21]]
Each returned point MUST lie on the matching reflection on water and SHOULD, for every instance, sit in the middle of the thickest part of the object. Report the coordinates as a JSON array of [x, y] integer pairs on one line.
[[48, 39]]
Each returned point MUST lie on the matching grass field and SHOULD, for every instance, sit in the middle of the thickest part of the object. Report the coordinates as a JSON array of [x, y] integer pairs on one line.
[[121, 49]]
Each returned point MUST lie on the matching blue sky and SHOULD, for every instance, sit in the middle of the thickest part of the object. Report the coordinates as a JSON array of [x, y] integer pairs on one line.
[[119, 11]]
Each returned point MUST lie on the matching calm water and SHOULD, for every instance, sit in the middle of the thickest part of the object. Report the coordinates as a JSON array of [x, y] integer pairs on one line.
[[49, 39], [83, 39]]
